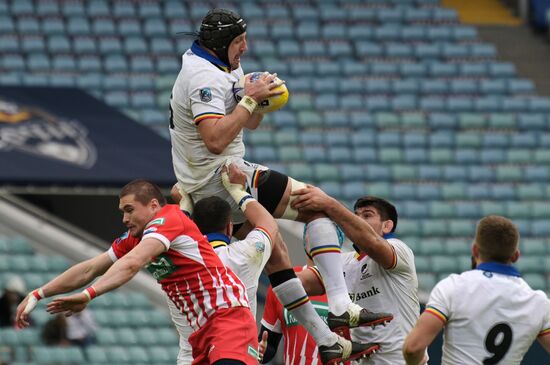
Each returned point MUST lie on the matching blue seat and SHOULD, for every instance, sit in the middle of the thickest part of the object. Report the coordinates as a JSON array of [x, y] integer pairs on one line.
[[404, 102], [352, 172], [53, 26], [436, 86], [377, 173], [403, 192], [282, 30], [89, 63], [314, 49], [362, 14], [466, 156], [493, 86], [368, 49], [174, 9], [9, 44], [524, 139], [402, 86], [539, 104], [443, 69], [425, 51], [98, 8], [442, 33], [445, 15], [123, 9], [352, 190], [537, 173], [413, 69], [33, 44], [377, 86], [463, 33], [7, 25], [308, 30], [78, 26], [432, 103], [352, 68], [384, 69], [478, 192], [326, 102], [334, 31], [495, 140], [473, 69], [520, 86], [416, 155], [455, 173], [429, 172], [135, 45], [503, 192], [460, 86], [387, 33], [336, 119], [413, 33], [332, 12], [514, 104], [363, 155], [340, 49], [399, 50], [28, 26], [46, 8], [155, 27], [531, 121], [502, 69], [442, 121], [483, 51], [65, 63], [104, 27], [481, 174], [149, 10], [390, 15], [417, 14], [350, 86], [59, 44], [488, 104], [340, 154], [38, 62], [450, 50]]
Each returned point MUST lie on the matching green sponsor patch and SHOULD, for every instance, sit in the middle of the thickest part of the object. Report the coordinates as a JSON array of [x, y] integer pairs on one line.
[[158, 221], [252, 351], [161, 267]]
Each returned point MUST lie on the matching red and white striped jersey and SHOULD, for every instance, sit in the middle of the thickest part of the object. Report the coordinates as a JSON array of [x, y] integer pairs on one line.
[[299, 345], [189, 271]]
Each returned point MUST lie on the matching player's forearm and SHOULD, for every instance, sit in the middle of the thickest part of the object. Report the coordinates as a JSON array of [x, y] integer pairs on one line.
[[258, 216], [73, 278], [225, 130], [120, 273], [254, 121]]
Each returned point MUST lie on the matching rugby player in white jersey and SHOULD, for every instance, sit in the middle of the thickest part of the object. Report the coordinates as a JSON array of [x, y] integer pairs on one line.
[[380, 274], [490, 314], [206, 129]]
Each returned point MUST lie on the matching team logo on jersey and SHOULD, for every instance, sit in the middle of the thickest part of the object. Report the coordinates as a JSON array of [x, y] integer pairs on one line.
[[122, 237], [34, 131], [161, 267], [365, 272], [206, 94], [260, 246], [158, 222]]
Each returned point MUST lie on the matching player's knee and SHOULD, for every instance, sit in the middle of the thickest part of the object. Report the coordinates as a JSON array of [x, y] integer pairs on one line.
[[175, 194], [307, 216]]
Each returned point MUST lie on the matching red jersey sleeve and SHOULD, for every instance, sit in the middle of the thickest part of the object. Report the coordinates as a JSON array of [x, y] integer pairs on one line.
[[273, 312], [121, 246]]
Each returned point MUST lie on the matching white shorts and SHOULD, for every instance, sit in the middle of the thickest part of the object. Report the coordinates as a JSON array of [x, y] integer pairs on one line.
[[215, 187], [247, 259], [185, 355]]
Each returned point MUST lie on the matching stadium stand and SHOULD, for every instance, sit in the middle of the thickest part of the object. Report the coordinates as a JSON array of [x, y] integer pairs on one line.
[[127, 320], [391, 98]]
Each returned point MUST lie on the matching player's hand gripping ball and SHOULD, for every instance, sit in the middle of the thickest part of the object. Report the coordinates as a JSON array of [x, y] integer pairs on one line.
[[268, 105]]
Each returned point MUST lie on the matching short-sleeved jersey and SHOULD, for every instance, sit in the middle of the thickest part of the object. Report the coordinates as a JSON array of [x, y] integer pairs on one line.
[[392, 290], [299, 345], [246, 258], [203, 89], [489, 313], [189, 271]]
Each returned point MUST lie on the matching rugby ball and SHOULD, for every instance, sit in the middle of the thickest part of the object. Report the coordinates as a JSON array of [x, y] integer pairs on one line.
[[268, 105]]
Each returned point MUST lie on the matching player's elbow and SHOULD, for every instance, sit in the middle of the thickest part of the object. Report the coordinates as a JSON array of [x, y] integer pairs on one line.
[[215, 146]]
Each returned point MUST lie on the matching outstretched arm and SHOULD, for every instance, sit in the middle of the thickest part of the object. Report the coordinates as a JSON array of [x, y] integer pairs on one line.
[[73, 278], [357, 229], [421, 336], [121, 272]]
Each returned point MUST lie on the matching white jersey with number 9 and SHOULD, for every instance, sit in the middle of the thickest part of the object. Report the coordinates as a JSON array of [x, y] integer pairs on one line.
[[490, 318]]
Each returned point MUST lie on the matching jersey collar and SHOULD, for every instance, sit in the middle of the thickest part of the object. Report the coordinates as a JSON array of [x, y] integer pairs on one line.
[[218, 239], [360, 254], [498, 268], [202, 53]]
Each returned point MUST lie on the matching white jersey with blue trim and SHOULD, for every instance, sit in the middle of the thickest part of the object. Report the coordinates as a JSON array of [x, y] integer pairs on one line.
[[203, 90], [491, 315], [392, 290]]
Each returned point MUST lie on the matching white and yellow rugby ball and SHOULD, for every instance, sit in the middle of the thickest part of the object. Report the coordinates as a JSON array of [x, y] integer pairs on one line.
[[268, 105]]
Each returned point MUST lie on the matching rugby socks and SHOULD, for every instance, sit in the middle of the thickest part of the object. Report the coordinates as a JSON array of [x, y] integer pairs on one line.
[[323, 247], [290, 292]]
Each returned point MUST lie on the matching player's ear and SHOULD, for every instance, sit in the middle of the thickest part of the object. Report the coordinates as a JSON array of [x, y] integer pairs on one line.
[[516, 256], [229, 229], [387, 226]]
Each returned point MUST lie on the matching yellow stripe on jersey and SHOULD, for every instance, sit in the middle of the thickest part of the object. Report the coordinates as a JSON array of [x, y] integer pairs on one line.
[[209, 115], [264, 231], [545, 332], [437, 313], [216, 244]]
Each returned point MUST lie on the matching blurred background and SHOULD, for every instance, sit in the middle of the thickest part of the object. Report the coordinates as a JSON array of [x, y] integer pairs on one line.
[[441, 107]]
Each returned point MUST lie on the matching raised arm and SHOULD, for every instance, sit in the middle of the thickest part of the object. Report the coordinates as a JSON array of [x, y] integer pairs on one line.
[[355, 228], [217, 134], [73, 278], [120, 273]]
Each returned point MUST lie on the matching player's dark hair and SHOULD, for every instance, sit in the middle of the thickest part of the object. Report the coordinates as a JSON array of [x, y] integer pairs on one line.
[[497, 238], [386, 209], [144, 191], [211, 214]]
